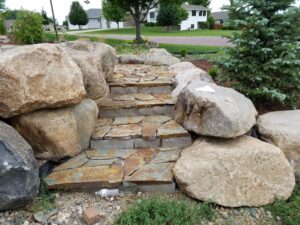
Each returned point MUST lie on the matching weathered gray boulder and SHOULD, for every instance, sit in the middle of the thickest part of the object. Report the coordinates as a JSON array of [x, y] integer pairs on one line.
[[211, 110], [57, 133], [96, 62], [159, 57], [102, 52], [19, 174], [234, 172], [186, 73], [283, 130], [132, 59], [37, 77]]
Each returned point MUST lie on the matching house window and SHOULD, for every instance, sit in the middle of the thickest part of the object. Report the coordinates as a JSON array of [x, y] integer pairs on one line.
[[192, 26], [221, 21], [204, 13], [200, 13], [193, 12], [152, 15]]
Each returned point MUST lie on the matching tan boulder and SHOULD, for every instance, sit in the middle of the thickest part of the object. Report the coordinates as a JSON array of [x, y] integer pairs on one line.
[[57, 133], [234, 172], [37, 77], [211, 110], [160, 57], [282, 129]]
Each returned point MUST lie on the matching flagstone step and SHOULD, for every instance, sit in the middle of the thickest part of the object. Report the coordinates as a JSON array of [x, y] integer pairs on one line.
[[132, 79], [139, 132], [137, 105], [129, 169]]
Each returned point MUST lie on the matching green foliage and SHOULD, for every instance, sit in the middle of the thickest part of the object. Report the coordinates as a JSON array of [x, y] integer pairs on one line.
[[2, 5], [171, 15], [77, 15], [2, 25], [10, 14], [45, 199], [211, 22], [150, 24], [28, 27], [113, 12], [160, 211], [288, 211], [46, 19], [203, 25], [204, 3], [213, 72], [183, 53], [265, 64]]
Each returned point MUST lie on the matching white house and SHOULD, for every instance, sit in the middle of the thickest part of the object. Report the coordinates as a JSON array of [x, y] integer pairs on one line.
[[96, 21], [197, 14]]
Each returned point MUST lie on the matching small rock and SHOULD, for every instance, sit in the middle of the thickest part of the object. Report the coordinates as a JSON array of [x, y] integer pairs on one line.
[[91, 216]]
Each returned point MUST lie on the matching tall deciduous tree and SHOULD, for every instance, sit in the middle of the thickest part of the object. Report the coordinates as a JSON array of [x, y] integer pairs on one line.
[[171, 14], [204, 3], [113, 12], [77, 15], [2, 5], [265, 62]]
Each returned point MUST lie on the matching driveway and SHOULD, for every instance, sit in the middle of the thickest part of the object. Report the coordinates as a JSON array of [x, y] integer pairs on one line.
[[206, 41]]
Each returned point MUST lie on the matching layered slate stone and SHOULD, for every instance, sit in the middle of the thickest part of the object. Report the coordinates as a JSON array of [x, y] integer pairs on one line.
[[133, 169], [136, 105], [140, 132], [129, 79]]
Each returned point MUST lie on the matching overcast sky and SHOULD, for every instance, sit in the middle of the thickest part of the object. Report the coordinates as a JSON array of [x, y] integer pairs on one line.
[[62, 7]]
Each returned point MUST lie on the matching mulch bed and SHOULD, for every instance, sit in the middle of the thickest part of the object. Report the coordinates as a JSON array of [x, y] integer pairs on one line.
[[202, 64]]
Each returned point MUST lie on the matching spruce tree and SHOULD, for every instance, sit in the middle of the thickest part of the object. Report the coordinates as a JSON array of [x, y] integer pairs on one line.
[[265, 62], [77, 15]]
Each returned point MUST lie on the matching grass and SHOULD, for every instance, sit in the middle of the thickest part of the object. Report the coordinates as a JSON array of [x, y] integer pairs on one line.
[[159, 31], [161, 211], [288, 211], [173, 48]]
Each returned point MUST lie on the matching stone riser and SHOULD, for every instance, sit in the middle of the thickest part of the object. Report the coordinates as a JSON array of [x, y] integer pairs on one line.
[[124, 90], [178, 142], [167, 110]]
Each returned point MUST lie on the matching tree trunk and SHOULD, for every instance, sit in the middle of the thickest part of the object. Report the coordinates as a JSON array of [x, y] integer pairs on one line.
[[118, 25], [79, 27], [138, 36]]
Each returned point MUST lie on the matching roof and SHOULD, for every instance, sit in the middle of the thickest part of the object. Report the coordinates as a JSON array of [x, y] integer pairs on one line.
[[94, 13], [194, 7], [220, 15]]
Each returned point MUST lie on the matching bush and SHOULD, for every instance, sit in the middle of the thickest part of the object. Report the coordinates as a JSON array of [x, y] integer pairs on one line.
[[2, 25], [183, 53], [213, 72], [211, 22], [265, 63], [150, 24], [204, 25], [28, 28], [160, 211]]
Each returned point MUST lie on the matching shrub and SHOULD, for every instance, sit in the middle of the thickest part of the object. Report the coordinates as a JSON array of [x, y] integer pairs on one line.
[[211, 22], [204, 25], [213, 72], [2, 25], [265, 63], [150, 24], [28, 27], [183, 53], [160, 211]]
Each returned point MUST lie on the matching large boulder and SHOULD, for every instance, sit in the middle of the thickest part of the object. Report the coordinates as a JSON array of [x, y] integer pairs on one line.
[[57, 133], [211, 110], [234, 172], [96, 62], [19, 172], [36, 77], [159, 57], [283, 130], [186, 73]]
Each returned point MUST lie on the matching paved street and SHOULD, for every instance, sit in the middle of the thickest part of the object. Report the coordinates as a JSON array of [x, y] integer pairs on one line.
[[206, 41]]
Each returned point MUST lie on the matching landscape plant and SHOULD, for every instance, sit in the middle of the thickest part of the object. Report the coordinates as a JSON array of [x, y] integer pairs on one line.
[[204, 3], [113, 13], [2, 5], [28, 27], [162, 211], [2, 25], [77, 15], [265, 62]]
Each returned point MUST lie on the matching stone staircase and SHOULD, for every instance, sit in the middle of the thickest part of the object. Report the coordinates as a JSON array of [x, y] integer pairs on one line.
[[136, 142]]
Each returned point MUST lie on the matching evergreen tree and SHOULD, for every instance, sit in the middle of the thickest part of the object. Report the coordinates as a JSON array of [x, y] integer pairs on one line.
[[77, 15], [171, 15], [265, 62], [112, 12], [46, 19], [2, 5], [204, 3]]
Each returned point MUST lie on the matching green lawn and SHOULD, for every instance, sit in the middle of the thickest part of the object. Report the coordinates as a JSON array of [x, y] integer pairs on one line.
[[173, 48], [159, 31]]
